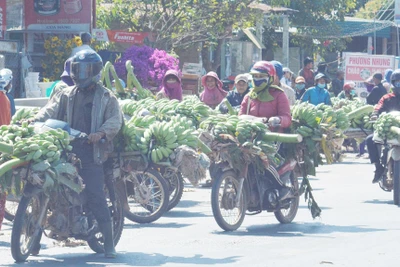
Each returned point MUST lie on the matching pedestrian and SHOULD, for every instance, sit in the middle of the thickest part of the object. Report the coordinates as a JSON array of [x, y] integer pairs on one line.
[[6, 78], [323, 68], [92, 109], [66, 79], [348, 91], [338, 83], [300, 86], [291, 95], [307, 72], [171, 86], [86, 41], [236, 96], [378, 91], [213, 93], [287, 77], [317, 94], [5, 119]]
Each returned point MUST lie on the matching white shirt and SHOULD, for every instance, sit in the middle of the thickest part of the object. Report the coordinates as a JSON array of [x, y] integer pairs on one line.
[[80, 48]]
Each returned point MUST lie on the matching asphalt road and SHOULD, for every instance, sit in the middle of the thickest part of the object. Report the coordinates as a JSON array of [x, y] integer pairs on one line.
[[359, 226]]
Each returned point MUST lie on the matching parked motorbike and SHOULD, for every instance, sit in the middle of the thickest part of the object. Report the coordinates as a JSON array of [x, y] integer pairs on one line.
[[390, 159], [61, 213], [233, 193]]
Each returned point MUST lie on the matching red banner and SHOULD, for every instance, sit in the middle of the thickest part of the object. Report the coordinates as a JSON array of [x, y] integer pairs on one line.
[[127, 37], [57, 15], [3, 26]]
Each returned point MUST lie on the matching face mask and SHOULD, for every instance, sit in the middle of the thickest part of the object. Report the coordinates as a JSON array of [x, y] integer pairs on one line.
[[259, 81], [353, 92], [300, 86], [321, 85]]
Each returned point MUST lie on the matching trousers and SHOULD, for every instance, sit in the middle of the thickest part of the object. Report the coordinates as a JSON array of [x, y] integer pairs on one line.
[[372, 149], [93, 178]]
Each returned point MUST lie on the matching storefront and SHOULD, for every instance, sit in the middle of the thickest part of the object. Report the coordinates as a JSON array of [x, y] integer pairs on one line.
[[31, 22]]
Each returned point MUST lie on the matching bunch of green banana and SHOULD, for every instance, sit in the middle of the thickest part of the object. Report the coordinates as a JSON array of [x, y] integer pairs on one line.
[[159, 141], [10, 134], [342, 121], [304, 131], [307, 114], [134, 129], [329, 116], [383, 124], [44, 146], [213, 120], [24, 114], [247, 130], [358, 116], [367, 123], [133, 107]]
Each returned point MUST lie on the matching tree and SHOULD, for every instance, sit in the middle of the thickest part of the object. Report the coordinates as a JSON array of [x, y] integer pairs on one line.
[[179, 23]]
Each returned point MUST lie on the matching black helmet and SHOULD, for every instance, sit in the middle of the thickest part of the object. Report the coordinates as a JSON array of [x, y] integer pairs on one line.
[[307, 60], [86, 66], [86, 37], [395, 76], [320, 76]]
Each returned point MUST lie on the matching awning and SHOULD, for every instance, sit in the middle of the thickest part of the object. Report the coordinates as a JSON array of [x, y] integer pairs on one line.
[[254, 39]]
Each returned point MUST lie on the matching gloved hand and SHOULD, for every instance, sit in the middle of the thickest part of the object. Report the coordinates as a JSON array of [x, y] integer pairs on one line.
[[274, 121], [95, 137]]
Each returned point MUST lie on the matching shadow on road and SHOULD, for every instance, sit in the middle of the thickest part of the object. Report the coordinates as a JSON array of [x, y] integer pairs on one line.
[[299, 230], [123, 259], [5, 244], [379, 201], [184, 214], [188, 203], [322, 208], [155, 225]]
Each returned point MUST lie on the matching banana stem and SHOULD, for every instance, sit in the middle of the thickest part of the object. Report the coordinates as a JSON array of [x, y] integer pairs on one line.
[[6, 148]]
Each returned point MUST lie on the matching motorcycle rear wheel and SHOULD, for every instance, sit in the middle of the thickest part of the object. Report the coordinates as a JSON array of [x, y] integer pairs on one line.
[[396, 182], [25, 232], [152, 182], [288, 215], [223, 195], [117, 217]]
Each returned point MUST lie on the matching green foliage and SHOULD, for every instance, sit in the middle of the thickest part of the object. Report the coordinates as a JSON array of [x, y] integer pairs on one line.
[[373, 8]]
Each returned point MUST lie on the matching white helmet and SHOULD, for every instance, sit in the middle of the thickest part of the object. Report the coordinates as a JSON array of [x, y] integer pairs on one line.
[[5, 77]]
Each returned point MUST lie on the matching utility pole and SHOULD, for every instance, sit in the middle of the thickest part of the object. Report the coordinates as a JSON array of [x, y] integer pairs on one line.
[[374, 38], [285, 41]]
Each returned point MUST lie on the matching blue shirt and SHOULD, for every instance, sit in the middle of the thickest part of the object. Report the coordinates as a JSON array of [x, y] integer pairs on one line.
[[12, 103], [316, 96]]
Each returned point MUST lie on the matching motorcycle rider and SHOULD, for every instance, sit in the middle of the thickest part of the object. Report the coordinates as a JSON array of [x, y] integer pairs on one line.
[[92, 109], [270, 102], [389, 102], [6, 77], [318, 94]]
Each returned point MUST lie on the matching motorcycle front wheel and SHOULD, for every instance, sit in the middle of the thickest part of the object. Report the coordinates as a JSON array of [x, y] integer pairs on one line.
[[228, 214], [287, 215], [117, 218], [148, 197], [26, 227]]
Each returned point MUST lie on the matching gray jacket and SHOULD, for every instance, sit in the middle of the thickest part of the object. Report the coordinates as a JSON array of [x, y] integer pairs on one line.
[[106, 116]]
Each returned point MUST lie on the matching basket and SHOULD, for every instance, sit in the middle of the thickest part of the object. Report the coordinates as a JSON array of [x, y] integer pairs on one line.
[[357, 133]]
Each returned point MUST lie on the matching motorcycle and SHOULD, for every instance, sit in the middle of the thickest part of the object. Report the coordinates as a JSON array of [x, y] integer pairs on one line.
[[145, 192], [390, 159], [60, 213], [235, 192]]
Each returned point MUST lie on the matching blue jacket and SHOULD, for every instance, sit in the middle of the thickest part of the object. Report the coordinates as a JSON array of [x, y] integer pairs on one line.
[[12, 103], [315, 96], [234, 98]]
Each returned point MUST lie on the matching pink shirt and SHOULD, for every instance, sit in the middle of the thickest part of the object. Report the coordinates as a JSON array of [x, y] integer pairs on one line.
[[279, 107]]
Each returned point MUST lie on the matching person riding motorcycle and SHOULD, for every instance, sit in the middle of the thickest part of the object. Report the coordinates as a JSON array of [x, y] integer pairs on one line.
[[389, 102], [269, 102], [92, 109], [6, 77], [318, 94]]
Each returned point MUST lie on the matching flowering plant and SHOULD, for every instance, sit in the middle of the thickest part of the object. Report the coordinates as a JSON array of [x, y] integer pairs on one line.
[[150, 65], [57, 51]]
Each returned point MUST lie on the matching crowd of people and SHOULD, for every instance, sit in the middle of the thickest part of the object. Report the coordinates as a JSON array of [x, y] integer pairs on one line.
[[266, 92]]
